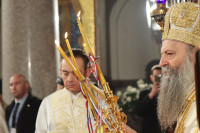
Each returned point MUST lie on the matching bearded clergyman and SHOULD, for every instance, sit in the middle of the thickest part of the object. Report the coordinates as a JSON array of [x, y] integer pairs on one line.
[[180, 42]]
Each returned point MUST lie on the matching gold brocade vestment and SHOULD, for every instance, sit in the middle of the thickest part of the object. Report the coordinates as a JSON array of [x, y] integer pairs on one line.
[[57, 114], [187, 119], [68, 116]]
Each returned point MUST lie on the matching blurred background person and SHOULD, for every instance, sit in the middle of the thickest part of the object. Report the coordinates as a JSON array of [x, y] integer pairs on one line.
[[21, 113], [60, 84], [147, 104]]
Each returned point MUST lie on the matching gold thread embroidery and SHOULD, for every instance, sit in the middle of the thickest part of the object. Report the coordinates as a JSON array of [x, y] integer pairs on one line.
[[68, 117], [179, 22], [185, 112], [197, 29], [185, 15], [183, 36]]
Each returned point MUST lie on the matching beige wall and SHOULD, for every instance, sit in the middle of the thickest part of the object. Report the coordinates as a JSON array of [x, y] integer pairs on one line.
[[132, 43]]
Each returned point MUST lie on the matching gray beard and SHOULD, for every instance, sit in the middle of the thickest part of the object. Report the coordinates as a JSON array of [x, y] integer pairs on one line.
[[173, 92]]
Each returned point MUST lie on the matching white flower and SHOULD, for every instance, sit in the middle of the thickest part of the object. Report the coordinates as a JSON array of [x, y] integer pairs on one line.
[[129, 88], [131, 95], [140, 81], [124, 101], [138, 94], [133, 90], [129, 99], [119, 93], [142, 86], [125, 95]]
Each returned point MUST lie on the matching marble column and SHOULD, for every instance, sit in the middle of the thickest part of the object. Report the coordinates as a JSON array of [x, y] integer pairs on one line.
[[28, 45]]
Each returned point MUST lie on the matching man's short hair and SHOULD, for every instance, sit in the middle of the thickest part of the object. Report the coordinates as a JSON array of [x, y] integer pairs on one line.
[[59, 81], [79, 53], [157, 67]]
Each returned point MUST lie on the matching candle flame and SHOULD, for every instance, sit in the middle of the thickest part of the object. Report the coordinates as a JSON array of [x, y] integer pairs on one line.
[[57, 43], [79, 13], [66, 35]]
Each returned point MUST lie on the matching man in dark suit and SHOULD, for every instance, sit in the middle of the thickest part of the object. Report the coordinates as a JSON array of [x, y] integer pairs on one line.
[[22, 112], [147, 105]]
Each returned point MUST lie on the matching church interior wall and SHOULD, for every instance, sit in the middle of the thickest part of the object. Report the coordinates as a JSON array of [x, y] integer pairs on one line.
[[123, 40]]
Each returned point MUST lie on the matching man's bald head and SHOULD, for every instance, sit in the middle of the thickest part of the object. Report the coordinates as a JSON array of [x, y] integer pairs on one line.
[[19, 86]]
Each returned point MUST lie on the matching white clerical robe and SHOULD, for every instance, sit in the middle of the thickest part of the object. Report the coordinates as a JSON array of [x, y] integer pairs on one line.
[[3, 125], [187, 120], [57, 114]]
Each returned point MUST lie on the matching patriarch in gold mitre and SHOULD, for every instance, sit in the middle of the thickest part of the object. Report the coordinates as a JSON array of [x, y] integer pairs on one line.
[[180, 43]]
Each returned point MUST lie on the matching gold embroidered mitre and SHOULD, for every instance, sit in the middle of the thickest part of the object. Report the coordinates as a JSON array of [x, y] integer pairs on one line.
[[182, 23]]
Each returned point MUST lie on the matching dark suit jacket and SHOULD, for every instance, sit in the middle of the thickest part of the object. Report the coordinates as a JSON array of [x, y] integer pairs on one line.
[[27, 115], [147, 109]]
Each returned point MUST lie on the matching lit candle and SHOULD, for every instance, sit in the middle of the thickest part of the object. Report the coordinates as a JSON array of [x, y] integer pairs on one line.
[[70, 51], [101, 77], [83, 33]]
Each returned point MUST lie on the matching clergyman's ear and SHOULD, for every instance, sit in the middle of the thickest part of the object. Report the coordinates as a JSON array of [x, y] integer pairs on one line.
[[88, 72], [193, 54]]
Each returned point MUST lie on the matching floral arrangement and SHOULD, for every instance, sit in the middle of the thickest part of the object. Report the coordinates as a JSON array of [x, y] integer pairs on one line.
[[128, 98]]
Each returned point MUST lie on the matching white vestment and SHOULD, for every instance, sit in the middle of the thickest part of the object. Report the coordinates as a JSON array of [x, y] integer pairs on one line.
[[57, 114], [3, 125], [187, 120]]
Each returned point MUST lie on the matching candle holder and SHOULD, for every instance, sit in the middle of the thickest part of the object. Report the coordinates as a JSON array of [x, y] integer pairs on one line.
[[159, 13]]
